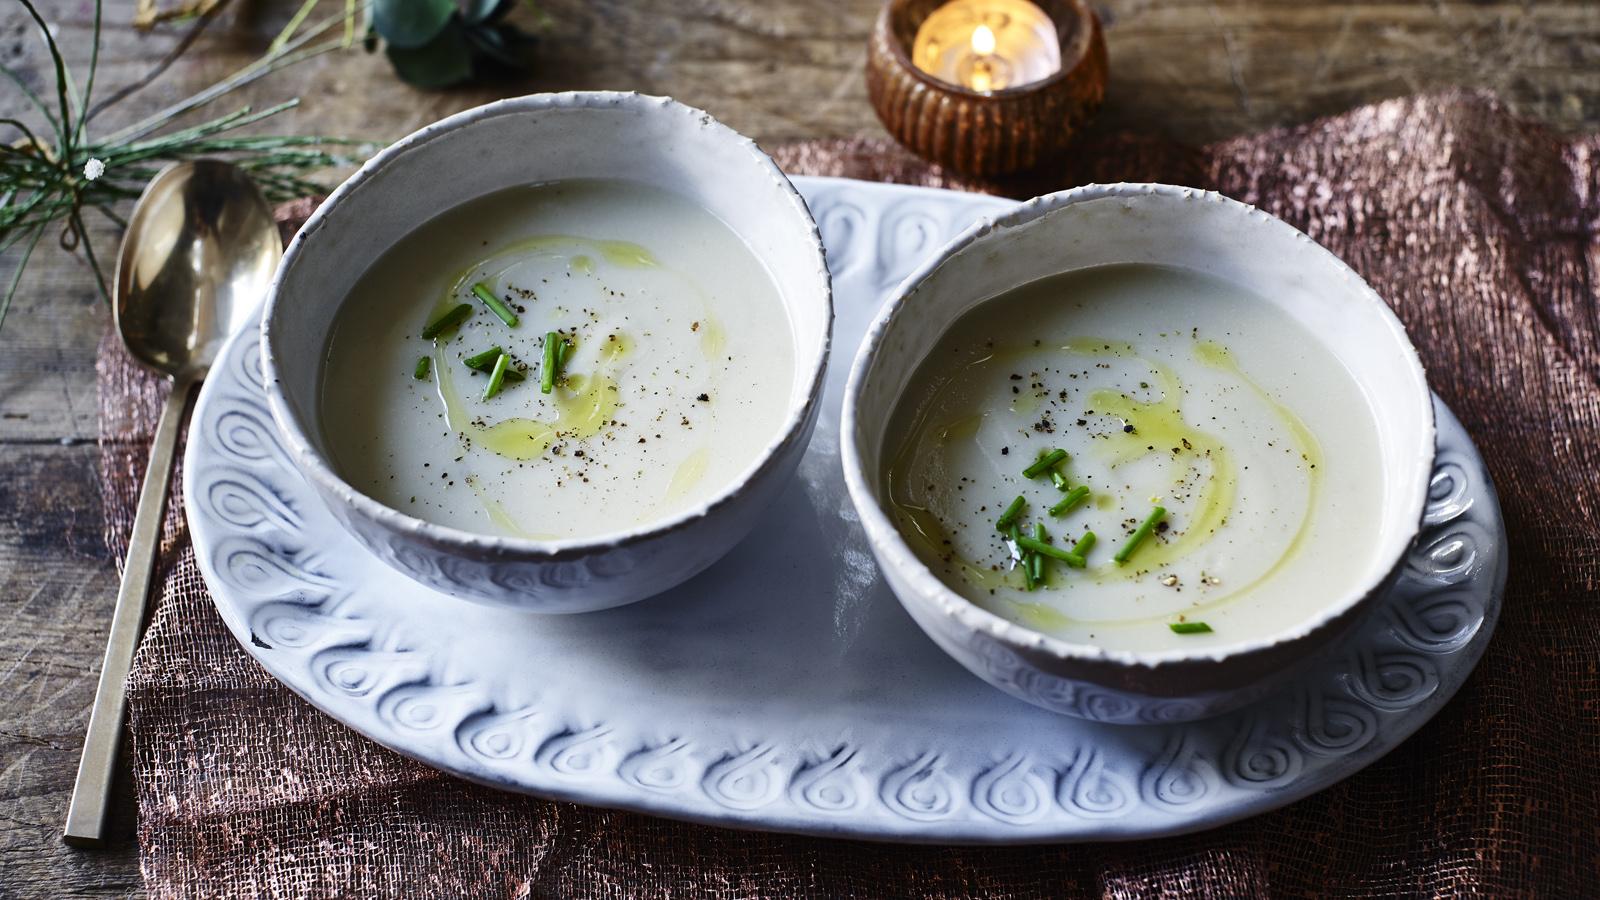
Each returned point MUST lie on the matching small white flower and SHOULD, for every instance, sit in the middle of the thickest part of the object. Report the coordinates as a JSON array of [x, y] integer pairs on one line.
[[93, 169]]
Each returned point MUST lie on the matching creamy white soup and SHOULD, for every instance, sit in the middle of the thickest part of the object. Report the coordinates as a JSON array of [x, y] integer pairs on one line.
[[598, 355], [1224, 462]]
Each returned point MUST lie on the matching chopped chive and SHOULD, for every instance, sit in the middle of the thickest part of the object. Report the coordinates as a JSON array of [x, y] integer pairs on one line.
[[484, 361], [1072, 499], [547, 367], [1024, 558], [495, 304], [1145, 527], [424, 366], [1051, 550], [561, 354], [446, 322], [1058, 479], [497, 378], [1010, 515], [1189, 627], [1081, 548], [1036, 562], [1044, 463]]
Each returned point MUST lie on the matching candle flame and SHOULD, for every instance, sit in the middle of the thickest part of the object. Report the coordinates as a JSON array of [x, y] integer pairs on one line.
[[983, 41]]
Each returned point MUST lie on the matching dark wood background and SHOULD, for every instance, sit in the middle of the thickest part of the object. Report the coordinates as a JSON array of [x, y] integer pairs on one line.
[[1193, 70]]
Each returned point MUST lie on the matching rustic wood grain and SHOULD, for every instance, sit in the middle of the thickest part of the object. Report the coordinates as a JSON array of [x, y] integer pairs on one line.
[[1194, 70], [55, 581]]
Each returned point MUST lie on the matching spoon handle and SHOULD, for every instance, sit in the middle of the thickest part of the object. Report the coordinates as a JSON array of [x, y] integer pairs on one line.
[[91, 794]]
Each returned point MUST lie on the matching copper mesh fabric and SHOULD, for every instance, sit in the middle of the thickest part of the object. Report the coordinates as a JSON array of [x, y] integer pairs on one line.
[[1479, 229]]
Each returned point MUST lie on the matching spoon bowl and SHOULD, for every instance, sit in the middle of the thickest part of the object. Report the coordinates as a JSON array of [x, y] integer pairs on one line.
[[201, 247]]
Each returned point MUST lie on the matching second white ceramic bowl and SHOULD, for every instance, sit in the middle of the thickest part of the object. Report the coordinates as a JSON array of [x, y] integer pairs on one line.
[[527, 140], [1138, 223]]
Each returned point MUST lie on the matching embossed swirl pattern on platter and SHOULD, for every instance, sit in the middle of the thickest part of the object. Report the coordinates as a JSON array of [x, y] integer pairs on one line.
[[366, 672]]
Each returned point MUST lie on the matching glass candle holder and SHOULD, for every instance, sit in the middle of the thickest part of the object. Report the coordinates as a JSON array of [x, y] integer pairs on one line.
[[986, 87]]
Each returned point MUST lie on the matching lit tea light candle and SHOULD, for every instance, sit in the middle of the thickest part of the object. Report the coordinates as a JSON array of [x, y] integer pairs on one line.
[[987, 45], [986, 87]]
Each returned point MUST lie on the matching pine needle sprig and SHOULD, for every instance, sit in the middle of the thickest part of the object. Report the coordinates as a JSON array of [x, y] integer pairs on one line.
[[54, 170]]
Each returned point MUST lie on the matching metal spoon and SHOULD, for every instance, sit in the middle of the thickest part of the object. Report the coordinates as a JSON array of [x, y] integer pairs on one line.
[[200, 250]]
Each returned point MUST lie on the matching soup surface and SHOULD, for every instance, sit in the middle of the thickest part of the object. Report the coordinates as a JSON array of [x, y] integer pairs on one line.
[[675, 368], [1166, 388]]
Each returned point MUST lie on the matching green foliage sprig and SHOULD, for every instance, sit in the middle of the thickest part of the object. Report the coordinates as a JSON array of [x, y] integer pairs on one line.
[[56, 170], [439, 43]]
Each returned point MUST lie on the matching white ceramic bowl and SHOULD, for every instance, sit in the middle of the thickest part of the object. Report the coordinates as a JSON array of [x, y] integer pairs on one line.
[[1138, 223], [541, 138]]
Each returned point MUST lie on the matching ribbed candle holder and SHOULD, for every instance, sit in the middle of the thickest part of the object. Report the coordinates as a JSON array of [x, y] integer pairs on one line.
[[1015, 129]]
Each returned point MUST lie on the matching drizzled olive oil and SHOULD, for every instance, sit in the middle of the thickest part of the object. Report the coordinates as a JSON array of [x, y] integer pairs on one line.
[[677, 368], [1167, 388]]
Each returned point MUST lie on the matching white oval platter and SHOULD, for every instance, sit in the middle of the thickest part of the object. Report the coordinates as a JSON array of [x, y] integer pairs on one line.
[[785, 689]]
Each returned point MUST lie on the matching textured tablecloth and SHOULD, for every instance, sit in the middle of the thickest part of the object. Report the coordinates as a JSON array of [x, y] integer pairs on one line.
[[1479, 229]]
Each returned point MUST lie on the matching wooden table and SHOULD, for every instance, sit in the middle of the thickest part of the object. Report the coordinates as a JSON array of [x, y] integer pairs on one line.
[[777, 71]]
